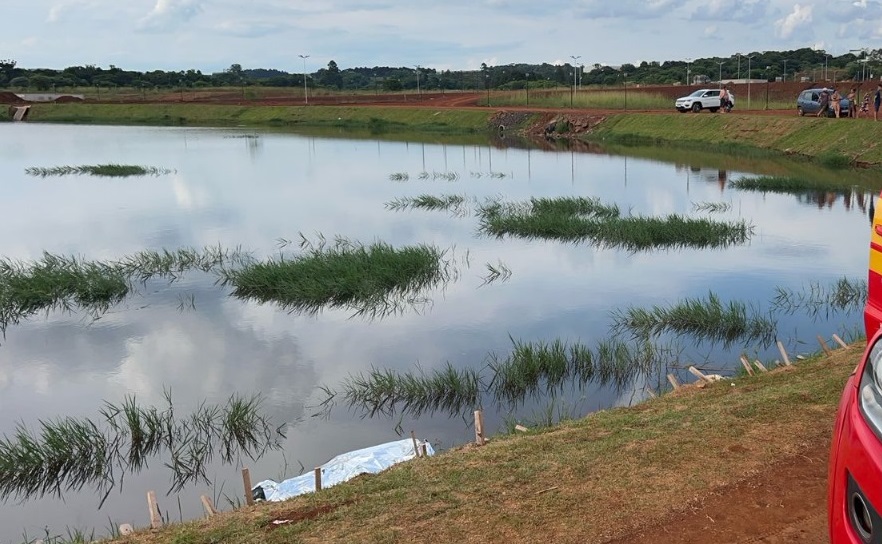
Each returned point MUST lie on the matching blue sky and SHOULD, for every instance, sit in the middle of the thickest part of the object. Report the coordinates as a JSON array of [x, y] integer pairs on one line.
[[210, 35]]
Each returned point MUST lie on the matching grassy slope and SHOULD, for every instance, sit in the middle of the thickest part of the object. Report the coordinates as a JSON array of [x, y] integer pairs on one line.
[[583, 481], [858, 139], [418, 119]]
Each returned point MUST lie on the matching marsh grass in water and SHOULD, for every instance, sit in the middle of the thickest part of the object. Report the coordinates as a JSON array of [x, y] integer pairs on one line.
[[102, 170], [711, 207], [786, 185], [816, 299], [375, 279], [69, 454], [585, 219], [65, 283], [530, 370], [705, 319], [428, 202]]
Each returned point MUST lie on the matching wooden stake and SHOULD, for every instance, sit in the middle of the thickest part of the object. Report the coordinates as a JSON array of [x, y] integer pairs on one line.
[[783, 353], [424, 450], [746, 364], [697, 373], [760, 366], [479, 427], [839, 341], [651, 393], [246, 481], [674, 382], [521, 428], [824, 346], [207, 505], [153, 506], [318, 478], [416, 449], [126, 529]]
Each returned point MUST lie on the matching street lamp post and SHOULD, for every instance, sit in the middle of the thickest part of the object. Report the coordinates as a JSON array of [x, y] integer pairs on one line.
[[784, 76], [487, 76], [767, 86], [688, 61], [305, 92], [826, 57], [527, 88], [418, 79], [748, 80], [625, 85], [739, 65], [575, 67], [721, 73]]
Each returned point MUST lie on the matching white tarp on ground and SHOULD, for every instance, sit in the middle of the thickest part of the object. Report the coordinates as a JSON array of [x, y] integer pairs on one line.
[[344, 467]]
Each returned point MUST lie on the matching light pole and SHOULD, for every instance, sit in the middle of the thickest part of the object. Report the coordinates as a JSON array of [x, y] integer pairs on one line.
[[418, 79], [721, 73], [575, 67], [305, 92], [784, 77], [748, 80], [487, 76], [767, 86], [739, 66], [826, 57], [527, 88], [688, 62]]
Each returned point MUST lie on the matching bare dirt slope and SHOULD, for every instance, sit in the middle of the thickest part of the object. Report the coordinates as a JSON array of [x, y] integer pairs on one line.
[[786, 503]]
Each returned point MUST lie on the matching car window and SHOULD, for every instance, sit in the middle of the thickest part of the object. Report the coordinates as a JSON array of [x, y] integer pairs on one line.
[[806, 95], [815, 97], [696, 93], [712, 93]]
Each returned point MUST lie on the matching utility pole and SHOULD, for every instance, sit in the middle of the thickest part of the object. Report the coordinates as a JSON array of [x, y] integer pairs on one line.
[[748, 79], [418, 79], [305, 92], [575, 67]]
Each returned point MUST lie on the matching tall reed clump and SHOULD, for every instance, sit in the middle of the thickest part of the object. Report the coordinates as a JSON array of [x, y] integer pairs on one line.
[[786, 185], [532, 368], [385, 392], [373, 279], [546, 367], [584, 219], [101, 170], [427, 202], [711, 207], [57, 282], [844, 295], [704, 319], [69, 454]]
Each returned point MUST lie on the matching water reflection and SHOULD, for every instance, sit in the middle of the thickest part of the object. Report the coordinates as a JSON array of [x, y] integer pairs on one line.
[[223, 193]]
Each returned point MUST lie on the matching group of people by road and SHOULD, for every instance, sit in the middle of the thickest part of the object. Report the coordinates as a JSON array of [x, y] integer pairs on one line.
[[833, 102]]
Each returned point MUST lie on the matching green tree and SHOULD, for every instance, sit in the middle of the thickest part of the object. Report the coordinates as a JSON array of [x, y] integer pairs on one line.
[[331, 77], [20, 82]]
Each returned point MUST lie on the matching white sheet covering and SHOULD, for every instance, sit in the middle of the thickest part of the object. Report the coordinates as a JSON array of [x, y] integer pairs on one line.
[[344, 467]]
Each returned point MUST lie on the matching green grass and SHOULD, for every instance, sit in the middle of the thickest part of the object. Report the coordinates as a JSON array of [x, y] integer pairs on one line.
[[587, 220], [711, 207], [372, 279], [68, 454], [531, 369], [427, 202], [705, 319], [101, 170], [786, 185], [816, 299], [369, 119], [792, 135]]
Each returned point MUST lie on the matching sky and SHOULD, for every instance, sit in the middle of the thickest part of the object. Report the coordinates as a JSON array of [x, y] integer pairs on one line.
[[211, 35]]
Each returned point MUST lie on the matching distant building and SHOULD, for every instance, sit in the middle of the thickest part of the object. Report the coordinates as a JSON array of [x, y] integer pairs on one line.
[[700, 80]]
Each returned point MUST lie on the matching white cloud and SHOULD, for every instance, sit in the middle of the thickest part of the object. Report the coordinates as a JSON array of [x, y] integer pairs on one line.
[[167, 14], [636, 9], [711, 31], [799, 18], [746, 11]]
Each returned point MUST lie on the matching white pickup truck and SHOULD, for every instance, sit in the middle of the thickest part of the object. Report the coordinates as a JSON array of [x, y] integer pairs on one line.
[[702, 99]]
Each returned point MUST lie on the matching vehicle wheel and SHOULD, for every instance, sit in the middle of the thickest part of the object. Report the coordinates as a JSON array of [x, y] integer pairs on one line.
[[696, 107], [714, 110], [800, 111]]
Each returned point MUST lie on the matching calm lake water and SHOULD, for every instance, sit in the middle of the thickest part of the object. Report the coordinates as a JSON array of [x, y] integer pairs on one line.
[[251, 192]]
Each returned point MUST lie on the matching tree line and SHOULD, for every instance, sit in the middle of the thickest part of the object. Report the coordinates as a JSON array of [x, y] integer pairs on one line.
[[813, 65]]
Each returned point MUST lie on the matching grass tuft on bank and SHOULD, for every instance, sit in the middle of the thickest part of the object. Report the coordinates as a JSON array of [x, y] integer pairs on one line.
[[99, 170]]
